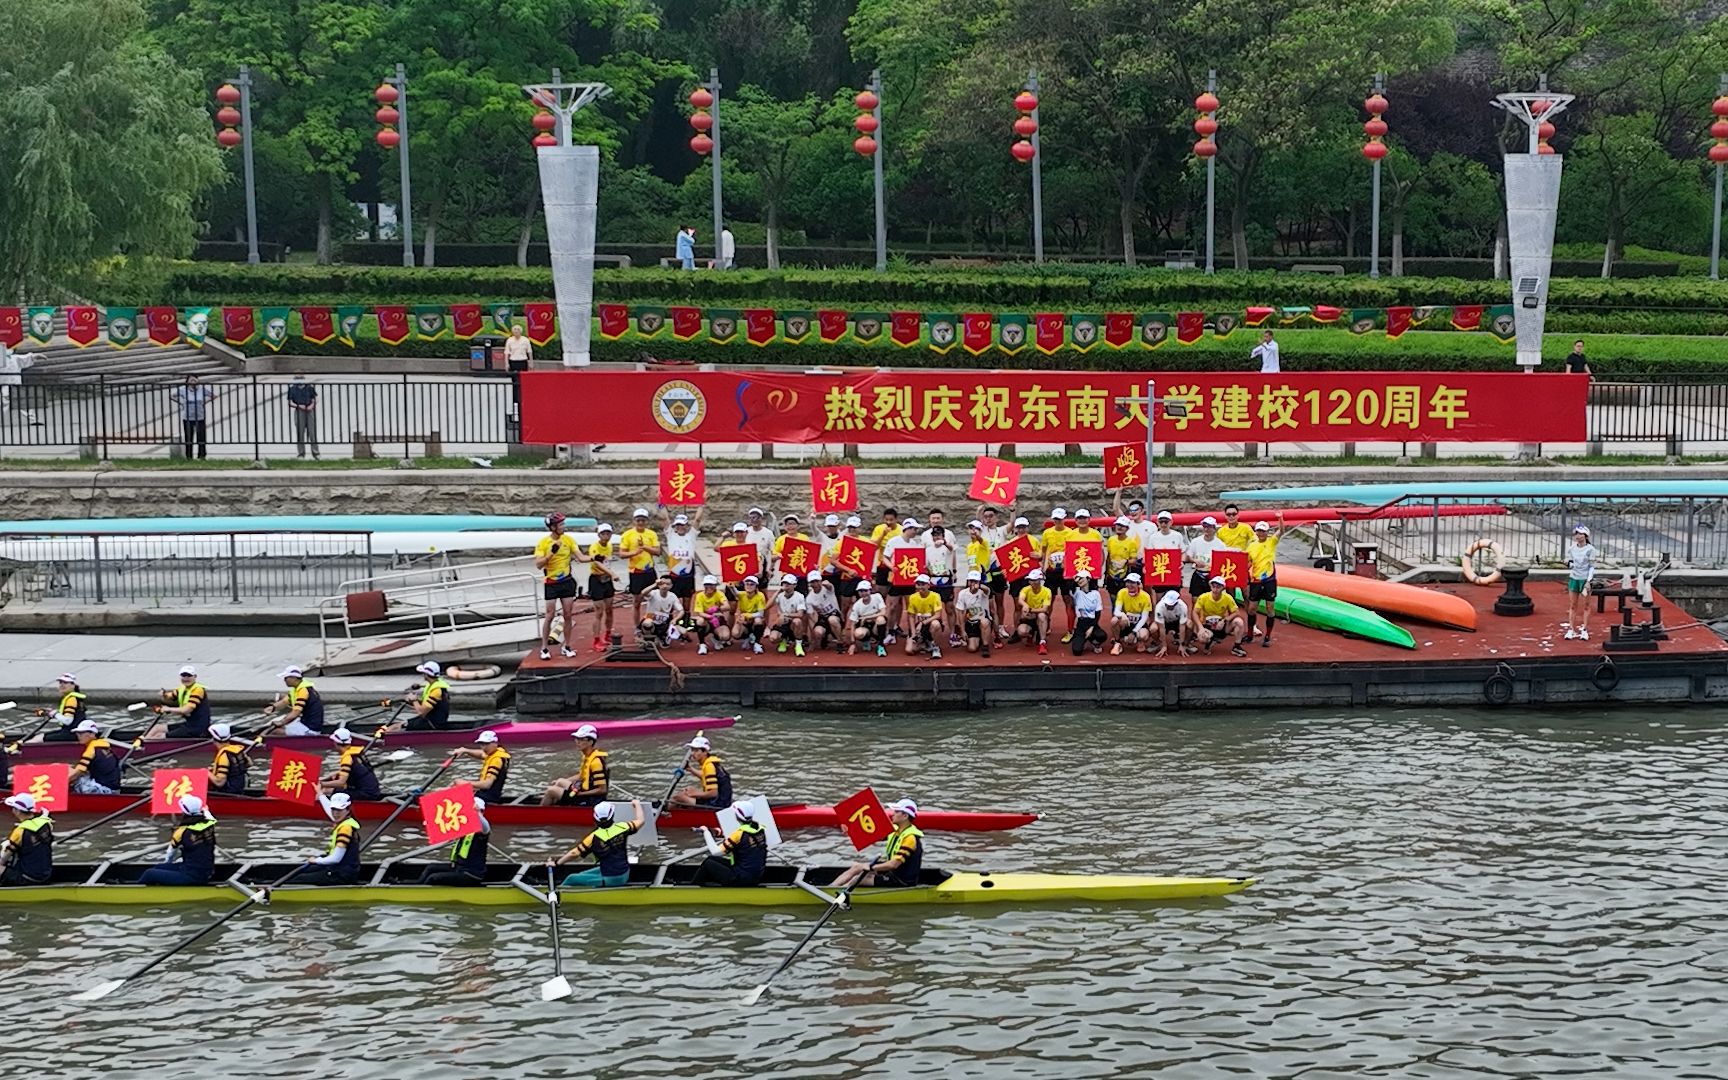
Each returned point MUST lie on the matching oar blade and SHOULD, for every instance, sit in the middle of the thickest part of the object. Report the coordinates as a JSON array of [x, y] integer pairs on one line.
[[754, 996], [397, 755], [555, 988], [136, 705], [5, 705], [97, 993]]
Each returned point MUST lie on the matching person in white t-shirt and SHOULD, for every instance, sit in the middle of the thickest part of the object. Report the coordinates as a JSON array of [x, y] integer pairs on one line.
[[12, 367], [662, 612], [1267, 353], [972, 605], [910, 539], [518, 350], [1171, 625], [788, 616], [679, 547], [1199, 556], [756, 531], [823, 605], [868, 620]]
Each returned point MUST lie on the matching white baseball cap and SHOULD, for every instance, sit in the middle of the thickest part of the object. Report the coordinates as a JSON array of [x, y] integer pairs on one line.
[[1021, 521], [1216, 581], [790, 517], [739, 526], [974, 524], [974, 576], [22, 801], [831, 519], [191, 804], [904, 806], [189, 670], [603, 811], [700, 742], [430, 669], [486, 737], [603, 527], [640, 511], [1036, 575], [854, 522], [87, 726], [757, 510], [290, 673], [1135, 579], [67, 677], [220, 731], [921, 579], [681, 519], [910, 523], [752, 579], [1165, 515], [341, 736], [863, 586], [814, 575], [1209, 520], [338, 801], [586, 731], [1082, 513], [1122, 523], [1582, 529], [789, 579], [1172, 598], [1059, 513], [710, 579], [743, 811], [1261, 526]]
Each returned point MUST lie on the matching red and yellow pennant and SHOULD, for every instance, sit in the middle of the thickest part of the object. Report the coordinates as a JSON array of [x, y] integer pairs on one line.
[[542, 322]]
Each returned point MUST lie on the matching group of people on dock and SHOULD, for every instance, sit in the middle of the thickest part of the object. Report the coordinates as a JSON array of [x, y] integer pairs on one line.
[[963, 597]]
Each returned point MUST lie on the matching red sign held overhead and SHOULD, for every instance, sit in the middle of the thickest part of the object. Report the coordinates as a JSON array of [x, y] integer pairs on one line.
[[449, 813], [834, 489], [45, 783], [994, 481], [683, 482], [739, 561], [1232, 566], [863, 819], [169, 786], [293, 776], [1124, 466]]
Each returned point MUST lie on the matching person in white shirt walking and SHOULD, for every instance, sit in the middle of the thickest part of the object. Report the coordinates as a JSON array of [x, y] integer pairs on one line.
[[728, 249], [12, 367], [1580, 568], [1267, 353], [518, 350]]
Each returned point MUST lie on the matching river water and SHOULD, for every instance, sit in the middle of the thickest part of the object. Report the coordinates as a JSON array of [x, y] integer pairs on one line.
[[1457, 895]]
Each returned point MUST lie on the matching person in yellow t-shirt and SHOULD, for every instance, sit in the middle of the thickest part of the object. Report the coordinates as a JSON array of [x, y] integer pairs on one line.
[[711, 611], [552, 557], [1216, 616], [752, 620], [885, 530], [1233, 532], [639, 545], [1034, 602], [924, 627], [602, 586], [1133, 608], [1121, 555], [1054, 542], [1263, 573]]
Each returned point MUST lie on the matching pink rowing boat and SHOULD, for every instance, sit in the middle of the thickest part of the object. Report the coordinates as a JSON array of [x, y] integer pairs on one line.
[[1310, 514], [510, 733]]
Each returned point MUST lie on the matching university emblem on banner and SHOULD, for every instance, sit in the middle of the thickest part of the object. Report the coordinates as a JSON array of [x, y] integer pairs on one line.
[[679, 407], [1502, 323], [944, 332], [42, 325], [1083, 331], [650, 321], [867, 327], [1011, 333], [797, 325], [1225, 323], [1154, 330]]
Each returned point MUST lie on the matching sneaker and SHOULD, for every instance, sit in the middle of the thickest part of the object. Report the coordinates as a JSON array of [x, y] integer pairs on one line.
[[985, 650], [756, 647], [567, 651], [1570, 633], [599, 644], [935, 653], [545, 654], [1069, 636], [889, 640], [1565, 626], [1266, 642], [702, 649], [1237, 650], [1043, 649], [954, 641], [798, 649], [782, 647], [1116, 649], [1583, 634], [881, 651]]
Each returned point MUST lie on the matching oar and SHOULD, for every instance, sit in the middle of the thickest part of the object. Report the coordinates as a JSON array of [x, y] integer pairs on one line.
[[97, 993], [756, 995], [122, 812], [407, 801], [48, 718], [677, 775], [557, 986]]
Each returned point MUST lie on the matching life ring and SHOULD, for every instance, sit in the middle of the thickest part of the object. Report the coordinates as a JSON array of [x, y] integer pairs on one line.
[[462, 674], [1495, 558], [1497, 688], [1606, 676]]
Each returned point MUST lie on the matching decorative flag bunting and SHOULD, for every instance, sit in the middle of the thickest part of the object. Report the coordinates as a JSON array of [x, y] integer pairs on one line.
[[197, 325], [833, 489], [239, 325], [856, 556], [1083, 557], [1190, 326], [1016, 558], [1225, 323], [1118, 329], [798, 556], [739, 561], [45, 783], [994, 481], [1257, 315], [686, 323], [650, 321], [1325, 314], [466, 320], [162, 324], [293, 776], [1049, 328], [393, 324], [348, 320], [122, 327], [42, 324], [863, 818], [722, 325], [1424, 313], [683, 482], [1398, 320], [976, 327], [867, 326], [908, 564], [1502, 323], [759, 325], [11, 326], [502, 315], [430, 321], [1467, 316], [944, 332], [275, 327], [317, 324], [795, 326], [1289, 315], [449, 813], [1363, 320], [169, 786], [1124, 467], [1154, 329], [832, 324], [1011, 333], [1083, 331], [543, 322], [906, 328], [1232, 566]]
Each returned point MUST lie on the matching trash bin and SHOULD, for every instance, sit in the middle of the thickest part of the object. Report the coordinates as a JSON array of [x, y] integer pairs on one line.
[[1367, 560], [483, 355]]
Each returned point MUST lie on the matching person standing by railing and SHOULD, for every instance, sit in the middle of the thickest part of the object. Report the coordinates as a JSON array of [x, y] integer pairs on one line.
[[12, 367], [303, 402], [194, 399]]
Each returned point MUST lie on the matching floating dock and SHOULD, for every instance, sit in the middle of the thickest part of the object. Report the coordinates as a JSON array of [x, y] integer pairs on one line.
[[1507, 660]]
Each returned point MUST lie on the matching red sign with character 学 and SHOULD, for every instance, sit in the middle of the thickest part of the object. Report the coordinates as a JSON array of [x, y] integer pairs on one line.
[[293, 776], [1124, 466], [683, 482], [863, 818], [449, 813], [919, 406], [169, 786], [44, 783]]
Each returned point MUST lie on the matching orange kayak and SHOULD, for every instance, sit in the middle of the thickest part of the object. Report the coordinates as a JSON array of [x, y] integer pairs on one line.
[[1386, 597]]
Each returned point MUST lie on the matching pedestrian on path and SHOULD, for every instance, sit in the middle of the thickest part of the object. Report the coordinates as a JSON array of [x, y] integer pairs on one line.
[[12, 367], [1575, 362], [303, 401], [1267, 353], [194, 399], [518, 350], [728, 249], [685, 250]]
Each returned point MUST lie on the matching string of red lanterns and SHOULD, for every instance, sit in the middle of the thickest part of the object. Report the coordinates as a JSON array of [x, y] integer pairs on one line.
[[228, 95], [1544, 129], [1025, 127], [1206, 125], [387, 96], [865, 122], [1375, 128], [701, 120], [1719, 130]]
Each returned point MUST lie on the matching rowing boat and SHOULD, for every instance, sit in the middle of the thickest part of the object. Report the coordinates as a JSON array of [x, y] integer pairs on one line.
[[526, 810], [651, 885], [510, 732], [1386, 597], [1324, 613]]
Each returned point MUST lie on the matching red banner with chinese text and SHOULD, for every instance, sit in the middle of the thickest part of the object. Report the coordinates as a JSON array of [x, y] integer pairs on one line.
[[44, 783], [1047, 407], [683, 482], [739, 561], [798, 557], [293, 776], [449, 813], [855, 556], [1163, 566], [1232, 566], [994, 481], [834, 489], [908, 564], [169, 786], [1083, 557], [863, 818], [1016, 558], [1123, 467]]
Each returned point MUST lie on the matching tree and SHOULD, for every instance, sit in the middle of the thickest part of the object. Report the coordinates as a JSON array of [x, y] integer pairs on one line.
[[108, 146], [763, 137]]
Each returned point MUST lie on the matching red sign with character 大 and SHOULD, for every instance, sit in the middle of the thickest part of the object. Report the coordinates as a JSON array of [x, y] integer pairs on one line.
[[1047, 407]]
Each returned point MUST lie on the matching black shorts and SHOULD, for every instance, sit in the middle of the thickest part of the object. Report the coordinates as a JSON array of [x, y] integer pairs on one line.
[[1173, 629], [902, 590], [60, 734], [1197, 583], [186, 730], [683, 586], [562, 589], [1057, 582], [572, 797], [1113, 584], [973, 629], [881, 578], [601, 587], [998, 583], [1263, 590], [946, 592], [642, 580]]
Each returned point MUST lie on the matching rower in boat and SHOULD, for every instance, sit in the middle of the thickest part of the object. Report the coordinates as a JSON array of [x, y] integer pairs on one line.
[[716, 782], [305, 714], [494, 765], [70, 711], [191, 855], [432, 707], [354, 775], [739, 859], [902, 856], [340, 863], [97, 770], [467, 857], [228, 770], [589, 783], [27, 854], [185, 710], [609, 844]]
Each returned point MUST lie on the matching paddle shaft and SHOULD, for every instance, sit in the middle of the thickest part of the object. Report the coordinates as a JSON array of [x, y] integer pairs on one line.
[[122, 812], [677, 775], [552, 906], [793, 955], [200, 935], [406, 803]]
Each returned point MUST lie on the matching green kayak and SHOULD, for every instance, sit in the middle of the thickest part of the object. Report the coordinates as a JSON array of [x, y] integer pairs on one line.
[[1325, 613]]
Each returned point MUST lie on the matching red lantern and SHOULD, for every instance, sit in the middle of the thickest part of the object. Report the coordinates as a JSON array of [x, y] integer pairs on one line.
[[700, 97], [543, 121], [1375, 128], [1719, 130], [866, 101], [865, 145], [701, 121], [228, 137], [1719, 153], [702, 144], [230, 95], [1023, 152], [1206, 127], [1544, 148], [1374, 151], [866, 123], [228, 116], [1207, 102], [1025, 127], [1376, 105], [389, 138], [1026, 101], [387, 116], [1720, 106], [1544, 130], [1537, 108], [387, 95], [1205, 148], [545, 138]]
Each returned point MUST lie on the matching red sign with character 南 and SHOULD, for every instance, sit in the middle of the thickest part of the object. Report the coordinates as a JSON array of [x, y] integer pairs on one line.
[[1048, 407]]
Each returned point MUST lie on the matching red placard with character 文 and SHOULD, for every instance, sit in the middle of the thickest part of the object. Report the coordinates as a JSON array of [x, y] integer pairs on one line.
[[863, 818], [855, 556]]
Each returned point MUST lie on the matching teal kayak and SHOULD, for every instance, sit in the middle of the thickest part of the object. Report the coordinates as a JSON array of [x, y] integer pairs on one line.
[[1324, 613]]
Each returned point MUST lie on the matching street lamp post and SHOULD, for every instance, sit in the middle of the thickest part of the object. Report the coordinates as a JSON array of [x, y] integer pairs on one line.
[[392, 98], [1030, 149], [1374, 150], [1206, 126], [1719, 155], [570, 194], [239, 92]]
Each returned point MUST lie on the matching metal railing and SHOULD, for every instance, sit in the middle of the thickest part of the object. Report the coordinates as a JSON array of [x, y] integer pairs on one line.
[[1627, 530], [424, 602], [175, 569]]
